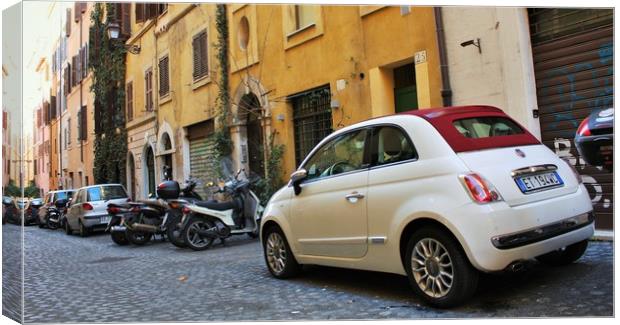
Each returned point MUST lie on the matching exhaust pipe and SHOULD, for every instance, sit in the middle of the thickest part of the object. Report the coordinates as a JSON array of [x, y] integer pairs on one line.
[[516, 267], [211, 233], [144, 227]]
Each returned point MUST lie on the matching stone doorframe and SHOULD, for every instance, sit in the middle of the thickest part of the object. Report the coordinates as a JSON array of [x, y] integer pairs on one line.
[[238, 131]]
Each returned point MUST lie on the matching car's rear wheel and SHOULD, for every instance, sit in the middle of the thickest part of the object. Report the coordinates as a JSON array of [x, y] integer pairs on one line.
[[278, 256], [83, 230], [565, 255], [438, 269], [68, 230]]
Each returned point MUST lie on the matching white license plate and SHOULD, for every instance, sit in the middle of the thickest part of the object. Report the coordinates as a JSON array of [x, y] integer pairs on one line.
[[538, 182], [105, 219]]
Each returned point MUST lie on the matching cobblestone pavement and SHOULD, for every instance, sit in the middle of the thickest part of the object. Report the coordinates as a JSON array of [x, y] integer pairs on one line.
[[11, 273], [73, 279]]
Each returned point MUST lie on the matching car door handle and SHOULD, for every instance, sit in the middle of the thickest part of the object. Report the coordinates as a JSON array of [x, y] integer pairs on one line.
[[353, 197]]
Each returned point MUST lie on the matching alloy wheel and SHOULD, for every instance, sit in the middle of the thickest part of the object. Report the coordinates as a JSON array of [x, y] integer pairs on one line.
[[276, 252], [193, 233], [432, 268]]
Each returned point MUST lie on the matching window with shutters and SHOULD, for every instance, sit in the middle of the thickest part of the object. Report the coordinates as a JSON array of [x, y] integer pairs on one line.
[[200, 49], [79, 125], [146, 11], [68, 23], [68, 131], [148, 90], [164, 77], [84, 122], [129, 100], [123, 18], [77, 12]]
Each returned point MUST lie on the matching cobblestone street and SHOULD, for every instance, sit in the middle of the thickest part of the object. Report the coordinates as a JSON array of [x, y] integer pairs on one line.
[[73, 279]]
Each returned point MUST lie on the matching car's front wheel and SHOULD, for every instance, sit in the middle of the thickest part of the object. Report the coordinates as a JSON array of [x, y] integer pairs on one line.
[[565, 255], [278, 256], [438, 269]]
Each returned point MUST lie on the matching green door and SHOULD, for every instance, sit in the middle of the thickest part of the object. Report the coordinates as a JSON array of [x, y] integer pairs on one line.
[[405, 98]]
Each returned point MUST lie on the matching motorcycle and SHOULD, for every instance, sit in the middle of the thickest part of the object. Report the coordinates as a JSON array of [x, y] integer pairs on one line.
[[205, 221], [55, 214], [139, 221]]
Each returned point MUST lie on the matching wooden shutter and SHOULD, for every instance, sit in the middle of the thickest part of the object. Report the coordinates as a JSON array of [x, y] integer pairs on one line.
[[125, 19], [78, 67], [139, 12], [79, 125], [164, 81], [77, 11], [204, 54], [197, 61], [83, 122], [83, 6], [52, 107], [129, 96], [148, 82], [68, 23]]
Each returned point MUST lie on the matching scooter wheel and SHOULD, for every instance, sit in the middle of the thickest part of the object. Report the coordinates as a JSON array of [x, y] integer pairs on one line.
[[174, 232], [192, 237], [138, 237], [52, 225], [119, 237]]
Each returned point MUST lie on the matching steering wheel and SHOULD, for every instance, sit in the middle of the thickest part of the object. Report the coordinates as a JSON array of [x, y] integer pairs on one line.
[[337, 168]]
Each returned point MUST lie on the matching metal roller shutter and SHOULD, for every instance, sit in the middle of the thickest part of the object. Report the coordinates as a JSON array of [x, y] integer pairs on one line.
[[203, 165], [573, 63]]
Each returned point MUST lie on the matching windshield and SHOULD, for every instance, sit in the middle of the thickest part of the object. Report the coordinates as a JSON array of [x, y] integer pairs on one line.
[[62, 195], [105, 193]]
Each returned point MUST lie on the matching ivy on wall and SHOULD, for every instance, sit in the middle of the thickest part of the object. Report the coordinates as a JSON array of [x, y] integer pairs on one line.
[[222, 134], [107, 62]]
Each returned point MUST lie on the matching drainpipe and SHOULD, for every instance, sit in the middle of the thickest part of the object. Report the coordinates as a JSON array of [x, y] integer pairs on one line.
[[446, 91]]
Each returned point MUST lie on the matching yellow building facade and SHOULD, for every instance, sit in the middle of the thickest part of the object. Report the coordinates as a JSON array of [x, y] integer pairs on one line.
[[295, 72], [309, 70]]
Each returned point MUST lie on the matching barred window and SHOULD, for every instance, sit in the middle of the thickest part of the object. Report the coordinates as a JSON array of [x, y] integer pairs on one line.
[[312, 120]]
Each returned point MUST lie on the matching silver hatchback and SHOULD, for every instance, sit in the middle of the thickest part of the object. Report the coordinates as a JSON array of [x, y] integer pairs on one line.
[[87, 211]]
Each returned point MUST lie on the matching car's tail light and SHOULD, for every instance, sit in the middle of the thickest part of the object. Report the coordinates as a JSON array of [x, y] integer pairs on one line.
[[186, 210], [575, 172], [479, 189], [583, 129], [87, 206], [113, 210]]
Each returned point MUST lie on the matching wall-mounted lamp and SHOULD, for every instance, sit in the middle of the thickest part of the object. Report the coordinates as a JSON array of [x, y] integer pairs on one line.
[[114, 32], [475, 43]]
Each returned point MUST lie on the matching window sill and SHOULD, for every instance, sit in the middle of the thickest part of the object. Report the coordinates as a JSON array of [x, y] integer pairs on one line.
[[299, 31], [206, 79], [165, 98]]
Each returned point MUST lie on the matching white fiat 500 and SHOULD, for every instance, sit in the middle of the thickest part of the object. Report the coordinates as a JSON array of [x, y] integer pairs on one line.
[[436, 195]]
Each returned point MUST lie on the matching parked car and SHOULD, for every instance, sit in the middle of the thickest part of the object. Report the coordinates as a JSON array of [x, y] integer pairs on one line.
[[7, 202], [49, 202], [87, 211], [437, 195], [24, 208], [595, 138]]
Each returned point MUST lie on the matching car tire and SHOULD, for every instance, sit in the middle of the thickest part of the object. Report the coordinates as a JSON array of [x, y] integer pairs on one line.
[[83, 230], [119, 238], [564, 256], [68, 229], [278, 255], [438, 269], [193, 225], [138, 237], [174, 232]]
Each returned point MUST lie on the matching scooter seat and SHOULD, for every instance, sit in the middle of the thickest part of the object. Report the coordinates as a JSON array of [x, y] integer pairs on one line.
[[214, 205]]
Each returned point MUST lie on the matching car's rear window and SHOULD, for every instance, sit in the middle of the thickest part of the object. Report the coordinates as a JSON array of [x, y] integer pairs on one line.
[[105, 193], [486, 126]]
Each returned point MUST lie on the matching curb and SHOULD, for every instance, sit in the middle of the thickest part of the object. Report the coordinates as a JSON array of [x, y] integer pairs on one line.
[[603, 235]]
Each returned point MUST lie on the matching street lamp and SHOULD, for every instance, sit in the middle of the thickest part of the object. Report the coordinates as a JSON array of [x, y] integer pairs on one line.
[[114, 32]]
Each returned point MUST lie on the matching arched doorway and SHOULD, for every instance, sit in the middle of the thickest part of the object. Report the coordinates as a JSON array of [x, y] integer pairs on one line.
[[250, 114], [150, 170], [167, 158], [131, 167]]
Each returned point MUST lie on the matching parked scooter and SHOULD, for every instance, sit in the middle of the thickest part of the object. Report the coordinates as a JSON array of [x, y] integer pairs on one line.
[[139, 221], [55, 214], [205, 221]]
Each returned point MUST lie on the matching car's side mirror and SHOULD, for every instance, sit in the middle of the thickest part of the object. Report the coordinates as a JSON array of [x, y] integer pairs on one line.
[[296, 179]]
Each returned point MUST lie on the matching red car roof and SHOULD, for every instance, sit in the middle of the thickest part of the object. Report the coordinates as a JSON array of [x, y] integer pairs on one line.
[[443, 117]]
